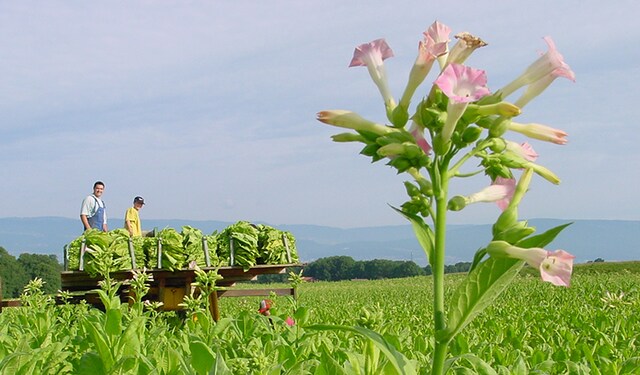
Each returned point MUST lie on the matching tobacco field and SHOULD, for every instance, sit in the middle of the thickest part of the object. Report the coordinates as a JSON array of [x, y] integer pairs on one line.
[[349, 327]]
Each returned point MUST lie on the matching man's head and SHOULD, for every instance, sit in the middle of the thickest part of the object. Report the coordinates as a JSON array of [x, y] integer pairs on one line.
[[138, 202], [98, 188]]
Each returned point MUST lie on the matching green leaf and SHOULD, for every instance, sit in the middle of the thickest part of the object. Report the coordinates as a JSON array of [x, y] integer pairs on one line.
[[542, 239], [477, 291], [329, 366], [202, 359], [221, 366], [423, 232], [129, 343], [400, 363], [99, 340], [113, 322], [90, 364], [630, 366], [481, 367]]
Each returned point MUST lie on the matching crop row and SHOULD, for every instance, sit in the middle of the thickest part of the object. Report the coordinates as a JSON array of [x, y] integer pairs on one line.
[[589, 328]]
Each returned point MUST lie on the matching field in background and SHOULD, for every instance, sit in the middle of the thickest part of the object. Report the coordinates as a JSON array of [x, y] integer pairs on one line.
[[594, 324], [534, 327]]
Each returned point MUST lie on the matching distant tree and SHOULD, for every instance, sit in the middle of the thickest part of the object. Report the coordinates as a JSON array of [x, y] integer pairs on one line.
[[12, 275], [406, 269], [379, 268], [599, 260], [45, 267], [462, 266], [331, 269], [427, 270]]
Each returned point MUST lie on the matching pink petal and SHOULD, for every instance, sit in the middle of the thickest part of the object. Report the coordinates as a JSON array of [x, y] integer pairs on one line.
[[438, 32], [562, 69], [462, 84], [375, 51], [510, 185], [418, 135], [557, 268]]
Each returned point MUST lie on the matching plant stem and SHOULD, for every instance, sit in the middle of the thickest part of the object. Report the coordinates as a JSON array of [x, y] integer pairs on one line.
[[438, 265]]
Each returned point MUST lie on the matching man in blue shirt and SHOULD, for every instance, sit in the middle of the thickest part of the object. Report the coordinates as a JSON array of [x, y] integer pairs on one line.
[[92, 213]]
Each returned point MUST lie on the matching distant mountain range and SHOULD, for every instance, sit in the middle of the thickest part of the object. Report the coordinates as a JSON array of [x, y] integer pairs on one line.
[[586, 239]]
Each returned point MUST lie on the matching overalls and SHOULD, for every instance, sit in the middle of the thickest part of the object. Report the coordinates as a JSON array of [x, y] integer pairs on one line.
[[97, 220]]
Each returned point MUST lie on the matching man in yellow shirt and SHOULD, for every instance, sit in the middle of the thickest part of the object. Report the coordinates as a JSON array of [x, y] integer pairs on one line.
[[132, 219]]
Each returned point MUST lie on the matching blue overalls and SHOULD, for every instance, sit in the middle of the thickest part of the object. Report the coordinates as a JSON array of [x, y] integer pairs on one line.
[[97, 220]]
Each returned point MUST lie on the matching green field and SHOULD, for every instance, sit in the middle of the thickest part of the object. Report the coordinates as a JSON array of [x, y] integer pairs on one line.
[[592, 327]]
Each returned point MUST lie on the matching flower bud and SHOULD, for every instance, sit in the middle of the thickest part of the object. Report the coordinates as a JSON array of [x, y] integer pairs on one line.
[[412, 190], [507, 219], [504, 109], [497, 145], [399, 116], [456, 203], [441, 146], [351, 120], [348, 137], [426, 187], [499, 127], [471, 134], [392, 149]]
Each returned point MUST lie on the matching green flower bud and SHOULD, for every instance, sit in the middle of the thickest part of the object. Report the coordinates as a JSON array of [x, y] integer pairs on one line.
[[471, 134], [497, 145], [441, 146], [456, 203], [425, 187], [400, 163], [506, 220], [499, 127], [348, 137], [412, 190], [392, 149], [399, 116]]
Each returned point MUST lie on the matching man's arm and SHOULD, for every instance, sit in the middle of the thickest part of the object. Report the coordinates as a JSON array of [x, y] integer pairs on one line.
[[85, 222], [129, 226]]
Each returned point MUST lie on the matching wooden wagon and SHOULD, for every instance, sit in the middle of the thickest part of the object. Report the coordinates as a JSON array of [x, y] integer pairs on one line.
[[170, 287]]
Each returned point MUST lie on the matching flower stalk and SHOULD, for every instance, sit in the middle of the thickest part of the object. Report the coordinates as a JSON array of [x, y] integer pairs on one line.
[[458, 112]]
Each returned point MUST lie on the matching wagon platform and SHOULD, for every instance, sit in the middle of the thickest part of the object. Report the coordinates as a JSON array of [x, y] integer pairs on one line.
[[170, 287]]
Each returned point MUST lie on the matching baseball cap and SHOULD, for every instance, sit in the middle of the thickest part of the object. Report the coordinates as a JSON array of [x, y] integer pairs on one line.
[[138, 200]]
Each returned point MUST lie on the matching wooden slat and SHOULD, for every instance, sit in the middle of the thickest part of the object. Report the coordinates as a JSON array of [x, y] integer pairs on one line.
[[256, 292]]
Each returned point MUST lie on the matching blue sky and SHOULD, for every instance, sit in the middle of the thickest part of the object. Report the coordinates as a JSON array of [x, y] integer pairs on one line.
[[207, 109]]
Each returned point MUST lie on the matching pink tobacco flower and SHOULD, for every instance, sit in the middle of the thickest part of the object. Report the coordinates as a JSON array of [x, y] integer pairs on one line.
[[545, 69], [418, 135], [509, 185], [439, 33], [555, 266], [523, 150], [290, 322], [462, 85], [372, 55], [428, 51], [500, 191], [540, 132]]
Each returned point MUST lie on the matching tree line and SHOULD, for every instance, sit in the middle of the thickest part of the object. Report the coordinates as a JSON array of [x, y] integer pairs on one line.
[[336, 268], [16, 273]]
